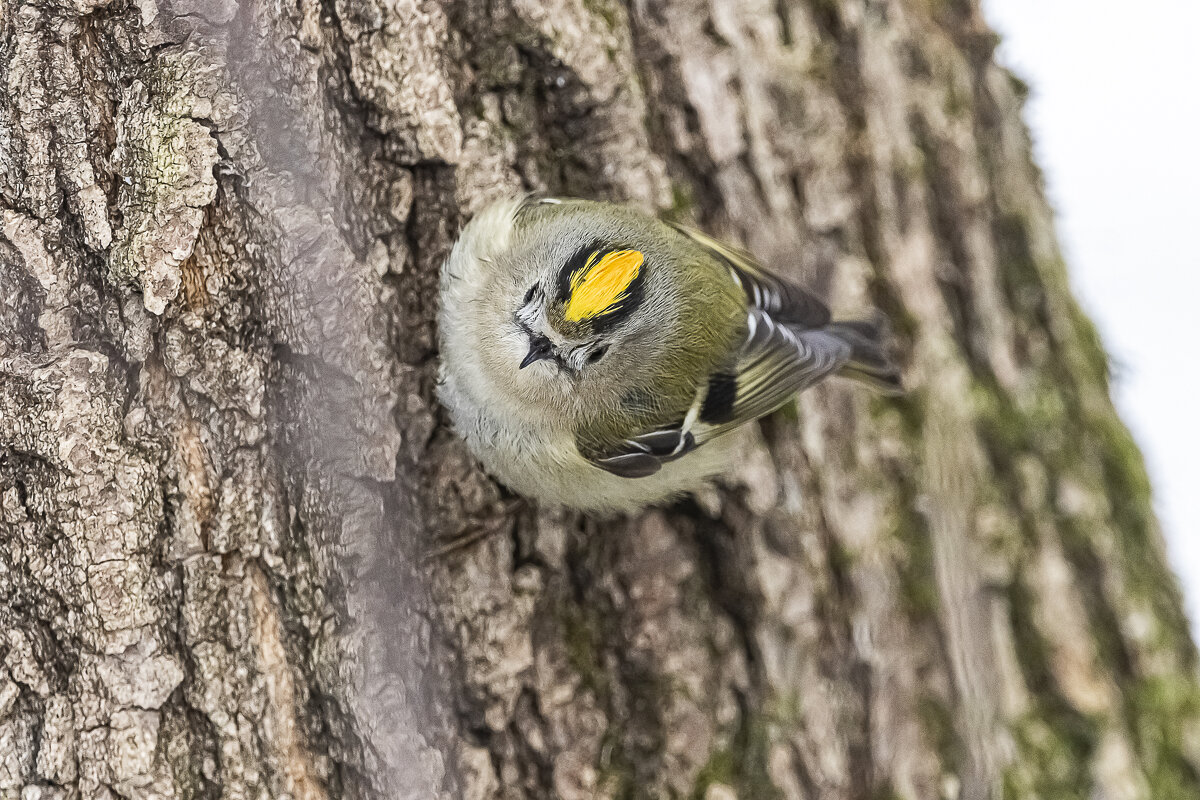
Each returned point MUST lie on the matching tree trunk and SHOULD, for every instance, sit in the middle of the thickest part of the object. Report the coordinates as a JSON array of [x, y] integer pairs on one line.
[[223, 473]]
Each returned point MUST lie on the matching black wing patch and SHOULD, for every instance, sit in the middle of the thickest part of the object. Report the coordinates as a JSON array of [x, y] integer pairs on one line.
[[719, 398], [783, 300]]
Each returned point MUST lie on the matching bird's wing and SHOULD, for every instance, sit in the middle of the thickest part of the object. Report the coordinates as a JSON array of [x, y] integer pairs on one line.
[[764, 290], [644, 454], [774, 363]]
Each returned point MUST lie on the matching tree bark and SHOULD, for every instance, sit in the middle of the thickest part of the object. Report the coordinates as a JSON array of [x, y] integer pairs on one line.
[[223, 471]]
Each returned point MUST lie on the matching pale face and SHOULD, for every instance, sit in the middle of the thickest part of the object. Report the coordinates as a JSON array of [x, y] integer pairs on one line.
[[546, 344]]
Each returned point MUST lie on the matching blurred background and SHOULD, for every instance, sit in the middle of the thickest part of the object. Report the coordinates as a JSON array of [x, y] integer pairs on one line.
[[1115, 115]]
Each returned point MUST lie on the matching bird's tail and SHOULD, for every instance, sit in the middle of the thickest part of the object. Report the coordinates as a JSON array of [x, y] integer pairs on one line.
[[869, 360]]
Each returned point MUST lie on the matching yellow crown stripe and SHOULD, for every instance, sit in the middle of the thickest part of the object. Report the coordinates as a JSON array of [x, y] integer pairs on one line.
[[601, 285]]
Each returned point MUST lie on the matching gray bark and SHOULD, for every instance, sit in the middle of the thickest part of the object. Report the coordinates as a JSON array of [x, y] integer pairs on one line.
[[222, 467]]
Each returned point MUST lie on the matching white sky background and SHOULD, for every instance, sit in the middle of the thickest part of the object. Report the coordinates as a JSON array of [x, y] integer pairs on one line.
[[1115, 115]]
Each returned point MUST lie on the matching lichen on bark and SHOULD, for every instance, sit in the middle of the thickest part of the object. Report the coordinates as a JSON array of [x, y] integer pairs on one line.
[[164, 159]]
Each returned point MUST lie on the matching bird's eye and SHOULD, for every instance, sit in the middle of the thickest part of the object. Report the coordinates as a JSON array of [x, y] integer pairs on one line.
[[529, 295], [597, 354]]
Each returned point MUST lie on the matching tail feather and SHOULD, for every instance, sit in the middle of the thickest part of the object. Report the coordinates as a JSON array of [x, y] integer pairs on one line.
[[869, 360]]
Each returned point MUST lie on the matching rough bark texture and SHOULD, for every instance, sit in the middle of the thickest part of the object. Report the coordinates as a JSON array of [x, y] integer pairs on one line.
[[222, 466]]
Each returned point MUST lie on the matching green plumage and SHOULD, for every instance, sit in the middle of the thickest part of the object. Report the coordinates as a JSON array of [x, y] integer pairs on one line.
[[706, 340]]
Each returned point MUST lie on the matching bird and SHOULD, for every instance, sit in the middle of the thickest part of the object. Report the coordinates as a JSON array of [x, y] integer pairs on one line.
[[597, 358]]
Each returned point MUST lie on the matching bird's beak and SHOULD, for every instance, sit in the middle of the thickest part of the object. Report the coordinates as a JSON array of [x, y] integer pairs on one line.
[[539, 348]]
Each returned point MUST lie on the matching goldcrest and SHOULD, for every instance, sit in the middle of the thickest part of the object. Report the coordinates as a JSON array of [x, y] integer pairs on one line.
[[595, 357]]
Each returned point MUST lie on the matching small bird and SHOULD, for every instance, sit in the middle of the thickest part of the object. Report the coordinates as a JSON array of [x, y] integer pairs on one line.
[[596, 357]]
